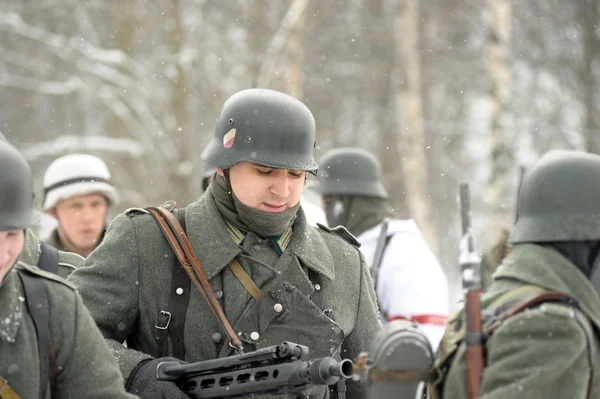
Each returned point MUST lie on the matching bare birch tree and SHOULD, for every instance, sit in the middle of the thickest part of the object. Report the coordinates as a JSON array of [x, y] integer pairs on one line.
[[499, 67], [408, 106]]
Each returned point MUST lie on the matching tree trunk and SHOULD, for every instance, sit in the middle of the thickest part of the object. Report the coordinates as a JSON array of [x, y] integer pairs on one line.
[[591, 48], [409, 106], [499, 67], [294, 82]]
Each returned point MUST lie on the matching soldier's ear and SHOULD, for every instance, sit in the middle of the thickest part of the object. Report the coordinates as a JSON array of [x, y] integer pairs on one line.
[[52, 212], [220, 172]]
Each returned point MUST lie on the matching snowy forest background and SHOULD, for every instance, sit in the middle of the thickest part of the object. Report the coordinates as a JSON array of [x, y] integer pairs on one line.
[[441, 90]]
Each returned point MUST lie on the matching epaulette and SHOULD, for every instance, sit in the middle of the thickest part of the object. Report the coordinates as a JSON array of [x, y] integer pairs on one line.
[[70, 259], [169, 205], [135, 211], [342, 232], [44, 274]]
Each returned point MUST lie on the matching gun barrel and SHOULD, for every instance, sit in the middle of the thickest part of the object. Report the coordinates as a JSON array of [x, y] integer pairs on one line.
[[327, 371]]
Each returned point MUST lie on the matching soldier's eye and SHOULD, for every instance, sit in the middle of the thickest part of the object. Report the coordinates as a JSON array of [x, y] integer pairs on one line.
[[263, 172]]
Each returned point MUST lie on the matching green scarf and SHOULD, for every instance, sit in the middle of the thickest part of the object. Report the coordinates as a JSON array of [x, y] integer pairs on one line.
[[245, 218], [358, 214]]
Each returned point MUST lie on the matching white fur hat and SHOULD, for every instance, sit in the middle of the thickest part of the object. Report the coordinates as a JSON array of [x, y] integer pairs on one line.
[[77, 174]]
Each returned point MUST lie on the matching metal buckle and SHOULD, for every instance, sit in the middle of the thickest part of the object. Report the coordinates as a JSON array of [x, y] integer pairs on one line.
[[166, 324]]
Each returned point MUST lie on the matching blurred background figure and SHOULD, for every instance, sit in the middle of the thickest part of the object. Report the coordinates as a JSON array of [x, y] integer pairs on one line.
[[409, 281], [78, 193]]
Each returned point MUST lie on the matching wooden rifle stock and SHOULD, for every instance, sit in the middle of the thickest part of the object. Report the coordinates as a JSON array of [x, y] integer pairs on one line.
[[471, 281]]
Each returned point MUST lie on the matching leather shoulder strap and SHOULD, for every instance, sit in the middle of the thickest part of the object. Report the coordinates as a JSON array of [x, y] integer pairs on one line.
[[48, 258], [36, 297], [245, 279], [6, 392], [171, 319], [184, 251]]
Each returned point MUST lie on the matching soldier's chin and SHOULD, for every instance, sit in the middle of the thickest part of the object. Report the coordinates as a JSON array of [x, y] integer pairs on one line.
[[275, 209], [5, 269]]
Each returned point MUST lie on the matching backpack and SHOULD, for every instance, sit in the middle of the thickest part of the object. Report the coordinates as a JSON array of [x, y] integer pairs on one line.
[[494, 314]]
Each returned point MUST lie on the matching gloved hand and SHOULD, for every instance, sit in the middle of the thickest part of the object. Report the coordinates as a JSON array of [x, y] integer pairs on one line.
[[144, 383]]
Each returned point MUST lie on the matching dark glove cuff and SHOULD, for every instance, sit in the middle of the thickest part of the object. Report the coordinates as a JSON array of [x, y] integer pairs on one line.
[[134, 372]]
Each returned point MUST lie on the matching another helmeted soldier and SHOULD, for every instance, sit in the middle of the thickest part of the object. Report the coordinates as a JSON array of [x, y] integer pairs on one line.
[[539, 344], [45, 256], [300, 284], [410, 283], [78, 193], [49, 344]]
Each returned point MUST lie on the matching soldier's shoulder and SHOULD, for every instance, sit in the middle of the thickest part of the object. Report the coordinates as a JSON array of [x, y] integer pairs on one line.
[[51, 279], [70, 259], [339, 231], [135, 211]]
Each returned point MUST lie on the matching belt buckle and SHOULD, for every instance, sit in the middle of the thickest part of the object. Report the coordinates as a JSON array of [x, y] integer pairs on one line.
[[166, 324]]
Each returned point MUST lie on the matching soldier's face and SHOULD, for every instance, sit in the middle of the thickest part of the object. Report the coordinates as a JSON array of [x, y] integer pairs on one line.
[[264, 188], [11, 246], [81, 219]]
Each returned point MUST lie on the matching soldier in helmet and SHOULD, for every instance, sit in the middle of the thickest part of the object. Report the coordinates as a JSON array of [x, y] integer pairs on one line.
[[78, 193], [313, 286], [409, 281], [539, 344], [45, 256], [49, 344]]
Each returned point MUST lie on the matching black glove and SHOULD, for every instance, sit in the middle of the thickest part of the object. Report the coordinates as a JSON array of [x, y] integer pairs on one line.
[[143, 382]]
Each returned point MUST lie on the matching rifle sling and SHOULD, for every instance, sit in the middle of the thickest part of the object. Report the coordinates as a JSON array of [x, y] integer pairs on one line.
[[184, 251]]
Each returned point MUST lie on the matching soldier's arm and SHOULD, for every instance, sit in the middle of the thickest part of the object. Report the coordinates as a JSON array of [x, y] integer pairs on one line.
[[109, 285], [540, 353], [367, 325], [86, 366]]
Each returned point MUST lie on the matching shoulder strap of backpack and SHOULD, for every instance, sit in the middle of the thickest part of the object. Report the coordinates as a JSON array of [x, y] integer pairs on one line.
[[48, 258], [36, 297]]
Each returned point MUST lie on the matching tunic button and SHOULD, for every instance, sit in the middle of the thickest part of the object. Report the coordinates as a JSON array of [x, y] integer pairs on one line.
[[257, 247], [254, 336], [218, 294], [278, 308], [216, 338], [317, 287], [179, 291]]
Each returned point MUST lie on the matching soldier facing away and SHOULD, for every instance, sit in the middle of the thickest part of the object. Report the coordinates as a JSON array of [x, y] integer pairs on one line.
[[315, 288], [549, 349], [78, 193], [49, 344], [410, 283]]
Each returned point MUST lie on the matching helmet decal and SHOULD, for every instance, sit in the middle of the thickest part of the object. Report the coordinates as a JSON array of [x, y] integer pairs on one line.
[[229, 138]]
